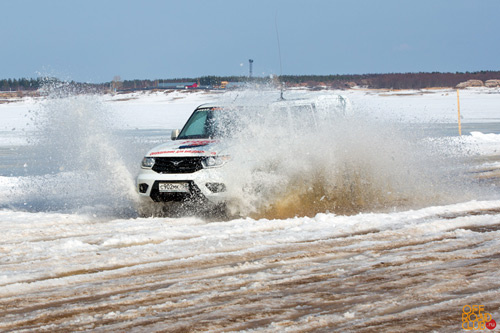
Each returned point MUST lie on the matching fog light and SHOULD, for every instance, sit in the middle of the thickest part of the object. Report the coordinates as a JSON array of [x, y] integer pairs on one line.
[[216, 187], [143, 188]]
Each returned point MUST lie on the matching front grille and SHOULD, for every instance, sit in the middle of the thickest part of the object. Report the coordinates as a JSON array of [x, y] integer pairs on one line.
[[177, 164]]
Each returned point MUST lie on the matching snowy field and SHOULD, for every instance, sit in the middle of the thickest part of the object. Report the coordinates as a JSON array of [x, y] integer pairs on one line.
[[76, 256]]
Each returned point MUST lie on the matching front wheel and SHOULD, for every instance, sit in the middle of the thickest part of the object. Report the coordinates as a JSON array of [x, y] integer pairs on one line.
[[174, 209]]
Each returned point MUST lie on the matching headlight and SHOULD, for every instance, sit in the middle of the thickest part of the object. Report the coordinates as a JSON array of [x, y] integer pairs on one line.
[[214, 161], [148, 162]]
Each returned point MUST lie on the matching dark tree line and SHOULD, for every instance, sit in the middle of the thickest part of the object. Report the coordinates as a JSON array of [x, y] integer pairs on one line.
[[377, 81], [391, 80], [203, 80], [20, 84], [425, 80]]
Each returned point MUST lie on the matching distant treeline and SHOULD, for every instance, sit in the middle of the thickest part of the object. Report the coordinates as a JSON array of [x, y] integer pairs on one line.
[[376, 81], [38, 83], [391, 80], [213, 81], [20, 84]]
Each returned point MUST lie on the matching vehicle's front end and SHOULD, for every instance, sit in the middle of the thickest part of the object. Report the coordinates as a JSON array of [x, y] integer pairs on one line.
[[181, 174], [188, 168]]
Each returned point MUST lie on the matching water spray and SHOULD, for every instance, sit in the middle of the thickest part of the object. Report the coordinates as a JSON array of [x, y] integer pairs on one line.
[[279, 54]]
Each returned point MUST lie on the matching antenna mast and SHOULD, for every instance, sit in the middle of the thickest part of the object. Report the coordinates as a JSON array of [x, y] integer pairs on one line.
[[279, 54]]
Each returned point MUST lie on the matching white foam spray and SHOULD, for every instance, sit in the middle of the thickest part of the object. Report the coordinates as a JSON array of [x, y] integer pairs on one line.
[[281, 166], [77, 158], [344, 163]]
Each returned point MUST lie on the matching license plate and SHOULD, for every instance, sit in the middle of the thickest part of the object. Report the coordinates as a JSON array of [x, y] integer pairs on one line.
[[173, 187]]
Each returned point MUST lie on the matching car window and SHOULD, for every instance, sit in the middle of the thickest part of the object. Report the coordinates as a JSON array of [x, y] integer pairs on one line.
[[196, 127], [302, 116], [207, 123]]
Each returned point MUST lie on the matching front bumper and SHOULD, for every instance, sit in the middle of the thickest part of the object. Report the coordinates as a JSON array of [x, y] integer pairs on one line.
[[204, 184]]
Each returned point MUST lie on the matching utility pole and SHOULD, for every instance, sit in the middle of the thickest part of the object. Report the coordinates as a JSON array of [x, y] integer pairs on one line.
[[250, 62], [459, 121]]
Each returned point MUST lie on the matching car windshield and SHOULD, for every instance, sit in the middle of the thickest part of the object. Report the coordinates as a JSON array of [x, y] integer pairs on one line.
[[205, 123], [216, 122]]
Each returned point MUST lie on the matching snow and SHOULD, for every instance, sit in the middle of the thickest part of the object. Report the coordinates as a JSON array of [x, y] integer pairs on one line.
[[478, 136], [161, 110], [77, 260], [426, 105]]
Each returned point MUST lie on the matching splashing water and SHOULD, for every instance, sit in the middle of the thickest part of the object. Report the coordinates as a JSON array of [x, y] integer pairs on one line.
[[344, 164], [77, 158], [339, 163]]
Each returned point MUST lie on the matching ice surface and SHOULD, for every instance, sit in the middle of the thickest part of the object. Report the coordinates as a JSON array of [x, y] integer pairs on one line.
[[80, 259]]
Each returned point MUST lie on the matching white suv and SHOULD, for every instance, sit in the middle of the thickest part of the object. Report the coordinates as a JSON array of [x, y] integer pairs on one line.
[[188, 167], [191, 166]]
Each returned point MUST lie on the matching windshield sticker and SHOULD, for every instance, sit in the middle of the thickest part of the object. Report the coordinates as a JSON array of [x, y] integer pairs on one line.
[[193, 144], [198, 142], [181, 152]]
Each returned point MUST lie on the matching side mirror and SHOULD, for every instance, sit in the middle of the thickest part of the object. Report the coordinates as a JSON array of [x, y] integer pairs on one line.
[[174, 134]]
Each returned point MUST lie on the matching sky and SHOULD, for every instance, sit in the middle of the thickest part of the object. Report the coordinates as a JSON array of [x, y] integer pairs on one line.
[[96, 40]]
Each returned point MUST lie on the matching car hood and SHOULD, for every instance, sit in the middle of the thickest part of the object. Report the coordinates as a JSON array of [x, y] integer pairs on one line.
[[195, 147]]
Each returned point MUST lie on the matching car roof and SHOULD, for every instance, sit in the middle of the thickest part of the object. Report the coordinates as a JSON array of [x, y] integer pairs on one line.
[[330, 101], [257, 104]]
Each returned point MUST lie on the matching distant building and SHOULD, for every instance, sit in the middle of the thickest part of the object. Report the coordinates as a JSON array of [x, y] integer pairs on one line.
[[231, 85], [235, 85], [177, 85], [195, 85]]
